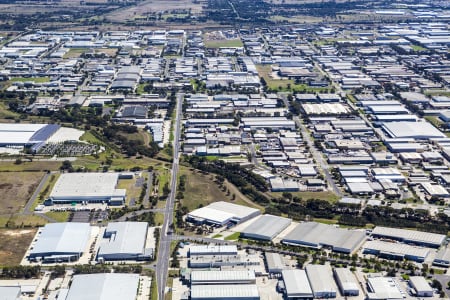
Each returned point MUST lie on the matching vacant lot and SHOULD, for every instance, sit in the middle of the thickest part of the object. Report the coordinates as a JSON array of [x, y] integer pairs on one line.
[[223, 43], [16, 188], [14, 244], [33, 166], [201, 189]]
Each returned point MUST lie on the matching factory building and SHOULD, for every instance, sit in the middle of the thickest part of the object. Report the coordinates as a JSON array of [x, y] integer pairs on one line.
[[25, 134], [225, 292], [219, 261], [266, 228], [10, 292], [222, 277], [222, 213], [421, 286], [384, 288], [442, 258], [321, 280], [111, 286], [296, 284], [125, 241], [410, 236], [61, 242], [396, 251], [274, 263], [346, 281], [204, 250], [87, 187], [317, 235]]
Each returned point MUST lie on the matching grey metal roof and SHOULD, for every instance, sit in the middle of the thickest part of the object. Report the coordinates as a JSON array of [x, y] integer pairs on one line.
[[62, 238], [111, 286], [266, 227], [410, 235], [245, 291], [124, 237], [296, 283], [9, 292], [321, 279]]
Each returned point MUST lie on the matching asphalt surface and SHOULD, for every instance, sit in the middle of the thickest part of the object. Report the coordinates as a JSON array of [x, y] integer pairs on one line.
[[162, 265]]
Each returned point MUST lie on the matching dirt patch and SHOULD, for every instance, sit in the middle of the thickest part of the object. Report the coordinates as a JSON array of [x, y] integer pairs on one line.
[[14, 245], [16, 189]]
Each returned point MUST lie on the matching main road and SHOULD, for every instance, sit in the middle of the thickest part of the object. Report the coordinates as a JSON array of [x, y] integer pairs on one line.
[[162, 265]]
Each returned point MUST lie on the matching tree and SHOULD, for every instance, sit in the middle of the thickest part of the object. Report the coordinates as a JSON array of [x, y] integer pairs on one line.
[[66, 166]]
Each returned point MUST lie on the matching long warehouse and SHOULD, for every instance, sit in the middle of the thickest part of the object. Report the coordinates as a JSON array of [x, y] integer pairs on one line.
[[223, 277], [396, 251], [296, 284], [410, 236], [225, 292], [61, 242], [317, 235], [321, 280], [266, 228], [346, 281]]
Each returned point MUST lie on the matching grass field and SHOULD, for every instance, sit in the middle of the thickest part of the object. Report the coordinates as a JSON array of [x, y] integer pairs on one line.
[[35, 79], [202, 190], [14, 244], [327, 195], [223, 43], [284, 85], [59, 216], [232, 237], [34, 166], [74, 53], [16, 189], [132, 190], [6, 114]]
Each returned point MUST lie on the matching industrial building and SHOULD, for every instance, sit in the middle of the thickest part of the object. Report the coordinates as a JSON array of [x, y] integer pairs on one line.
[[346, 281], [410, 236], [110, 286], [266, 228], [225, 292], [219, 261], [296, 284], [317, 235], [415, 130], [396, 251], [383, 288], [12, 134], [87, 187], [442, 257], [204, 250], [125, 241], [321, 280], [421, 286], [220, 213], [59, 242], [223, 277], [274, 263], [10, 292]]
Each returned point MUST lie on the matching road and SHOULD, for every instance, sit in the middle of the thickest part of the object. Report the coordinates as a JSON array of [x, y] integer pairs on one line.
[[315, 153], [37, 191], [162, 266]]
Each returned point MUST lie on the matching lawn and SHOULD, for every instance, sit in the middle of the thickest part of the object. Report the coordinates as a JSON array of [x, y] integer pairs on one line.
[[6, 114], [16, 189], [34, 79], [232, 237], [74, 53], [33, 166], [14, 245], [284, 84], [202, 190], [327, 195], [132, 190], [58, 216], [223, 43]]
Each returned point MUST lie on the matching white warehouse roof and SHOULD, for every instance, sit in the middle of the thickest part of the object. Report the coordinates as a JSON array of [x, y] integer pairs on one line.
[[297, 284], [110, 286], [241, 291], [418, 237], [321, 280], [62, 238], [266, 227], [222, 276], [222, 212], [416, 130]]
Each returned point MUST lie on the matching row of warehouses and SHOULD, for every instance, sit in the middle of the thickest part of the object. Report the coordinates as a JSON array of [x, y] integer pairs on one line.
[[232, 279], [391, 243], [68, 242]]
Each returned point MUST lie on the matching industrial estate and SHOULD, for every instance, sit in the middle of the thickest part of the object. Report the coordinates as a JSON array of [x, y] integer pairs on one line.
[[229, 150]]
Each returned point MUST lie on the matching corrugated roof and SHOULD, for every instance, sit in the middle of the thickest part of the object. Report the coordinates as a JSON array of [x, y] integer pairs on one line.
[[125, 237], [222, 275], [246, 291], [296, 282], [111, 286], [410, 235], [266, 226], [321, 279]]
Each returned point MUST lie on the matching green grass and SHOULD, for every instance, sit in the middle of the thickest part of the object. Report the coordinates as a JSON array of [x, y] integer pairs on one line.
[[327, 195], [232, 237], [217, 236], [434, 120], [35, 79], [6, 114], [140, 88], [58, 216], [159, 218], [74, 53], [223, 43], [417, 48]]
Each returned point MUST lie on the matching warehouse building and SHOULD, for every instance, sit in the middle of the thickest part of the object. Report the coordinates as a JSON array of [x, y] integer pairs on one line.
[[346, 281], [223, 277], [384, 288], [317, 235], [296, 284], [225, 292], [111, 286], [219, 261], [442, 258], [421, 286], [274, 263], [410, 236], [61, 242], [125, 241], [204, 250], [396, 251], [415, 130], [266, 228], [87, 187], [10, 292], [221, 213], [12, 134], [321, 280]]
